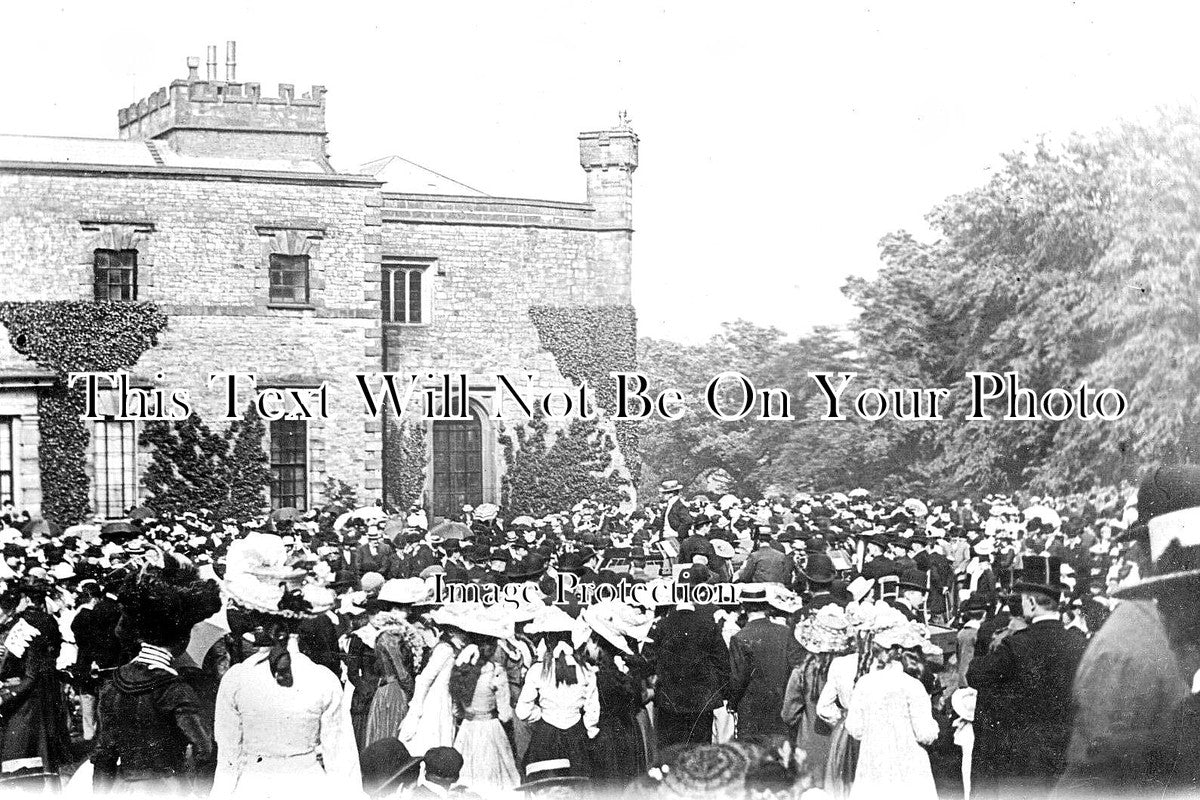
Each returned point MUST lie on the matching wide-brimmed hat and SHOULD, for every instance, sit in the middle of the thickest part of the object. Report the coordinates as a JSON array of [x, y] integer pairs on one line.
[[575, 561], [670, 487], [722, 548], [827, 631], [258, 578], [550, 773], [904, 634], [485, 512], [385, 765], [551, 619], [403, 591], [707, 770], [615, 622], [1168, 504], [477, 618]]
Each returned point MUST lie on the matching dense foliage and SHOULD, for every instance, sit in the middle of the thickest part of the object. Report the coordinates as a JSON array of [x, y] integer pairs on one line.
[[588, 344], [404, 457], [66, 337], [194, 467], [1076, 262], [549, 472]]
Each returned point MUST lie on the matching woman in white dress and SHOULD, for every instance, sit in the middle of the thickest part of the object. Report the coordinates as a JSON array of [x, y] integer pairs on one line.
[[891, 716], [282, 722], [430, 718]]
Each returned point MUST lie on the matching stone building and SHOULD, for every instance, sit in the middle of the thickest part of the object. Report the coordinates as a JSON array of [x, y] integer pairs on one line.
[[218, 204]]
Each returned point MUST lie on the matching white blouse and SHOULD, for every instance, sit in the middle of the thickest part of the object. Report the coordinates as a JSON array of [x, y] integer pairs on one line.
[[274, 735], [561, 704]]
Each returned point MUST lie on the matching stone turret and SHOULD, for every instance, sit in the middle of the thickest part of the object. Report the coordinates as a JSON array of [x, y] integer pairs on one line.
[[609, 159], [228, 119]]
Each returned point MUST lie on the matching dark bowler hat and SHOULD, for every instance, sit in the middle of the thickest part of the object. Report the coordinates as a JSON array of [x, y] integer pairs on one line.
[[443, 762], [1168, 504], [575, 561], [819, 569], [385, 765]]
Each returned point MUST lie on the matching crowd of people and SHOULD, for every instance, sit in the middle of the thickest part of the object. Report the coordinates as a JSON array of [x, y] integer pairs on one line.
[[998, 646]]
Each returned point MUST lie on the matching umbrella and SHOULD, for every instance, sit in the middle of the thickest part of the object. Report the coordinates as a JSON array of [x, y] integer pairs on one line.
[[117, 532], [916, 507], [82, 531], [1044, 513], [859, 492], [205, 634], [451, 530], [341, 521], [40, 526], [394, 529], [368, 513], [141, 512], [285, 514]]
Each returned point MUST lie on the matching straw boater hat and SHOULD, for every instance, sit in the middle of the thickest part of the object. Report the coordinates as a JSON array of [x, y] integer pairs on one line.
[[670, 487], [827, 631], [258, 578], [1168, 505]]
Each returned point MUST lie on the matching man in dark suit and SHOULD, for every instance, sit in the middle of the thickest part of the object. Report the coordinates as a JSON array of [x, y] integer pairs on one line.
[[689, 656], [767, 564], [376, 555], [677, 520], [697, 543], [875, 564], [1029, 672], [761, 658]]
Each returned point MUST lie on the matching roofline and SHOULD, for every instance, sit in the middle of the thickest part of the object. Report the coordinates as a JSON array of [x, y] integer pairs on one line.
[[489, 200], [188, 173]]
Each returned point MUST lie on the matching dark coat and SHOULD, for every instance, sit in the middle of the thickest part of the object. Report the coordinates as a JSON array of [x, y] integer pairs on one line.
[[767, 565], [696, 545], [879, 567], [761, 658], [692, 662], [147, 720], [95, 631], [1030, 674], [678, 517], [384, 561], [33, 719]]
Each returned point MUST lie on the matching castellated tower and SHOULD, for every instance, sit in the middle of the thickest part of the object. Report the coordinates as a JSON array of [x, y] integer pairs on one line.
[[609, 158], [228, 119]]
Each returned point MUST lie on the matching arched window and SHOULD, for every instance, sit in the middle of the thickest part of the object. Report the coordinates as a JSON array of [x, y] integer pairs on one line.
[[457, 465]]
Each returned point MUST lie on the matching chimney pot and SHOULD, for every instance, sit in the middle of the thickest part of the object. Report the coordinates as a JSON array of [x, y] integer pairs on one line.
[[231, 61], [212, 62], [193, 64]]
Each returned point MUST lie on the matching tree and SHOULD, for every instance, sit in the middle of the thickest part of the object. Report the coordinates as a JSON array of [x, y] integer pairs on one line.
[[187, 471], [248, 470]]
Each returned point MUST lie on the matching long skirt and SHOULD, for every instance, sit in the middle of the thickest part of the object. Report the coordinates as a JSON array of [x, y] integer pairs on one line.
[[842, 763], [548, 743], [618, 755], [388, 708], [488, 763]]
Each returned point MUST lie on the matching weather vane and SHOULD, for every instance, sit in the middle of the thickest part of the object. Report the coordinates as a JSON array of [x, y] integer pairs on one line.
[[623, 120]]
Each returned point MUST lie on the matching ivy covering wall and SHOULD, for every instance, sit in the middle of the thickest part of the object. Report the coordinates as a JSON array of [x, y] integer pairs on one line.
[[75, 336], [588, 343], [404, 457], [545, 477]]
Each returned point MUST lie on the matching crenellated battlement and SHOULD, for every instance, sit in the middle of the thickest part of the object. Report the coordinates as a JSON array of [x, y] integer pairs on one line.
[[210, 116]]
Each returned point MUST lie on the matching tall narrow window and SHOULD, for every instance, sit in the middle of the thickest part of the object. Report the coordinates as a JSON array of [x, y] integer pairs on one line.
[[289, 464], [457, 465], [8, 458], [115, 466], [289, 279], [404, 293], [115, 273]]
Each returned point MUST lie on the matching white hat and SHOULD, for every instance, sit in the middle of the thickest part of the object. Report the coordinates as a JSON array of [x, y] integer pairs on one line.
[[404, 591], [256, 576], [963, 703], [552, 619]]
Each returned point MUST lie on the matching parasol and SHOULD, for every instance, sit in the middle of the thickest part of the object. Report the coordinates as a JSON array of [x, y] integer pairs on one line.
[[1047, 515], [205, 634], [915, 507], [141, 512], [451, 530]]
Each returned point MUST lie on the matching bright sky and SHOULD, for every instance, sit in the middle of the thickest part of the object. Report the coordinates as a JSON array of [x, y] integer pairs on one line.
[[779, 141]]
